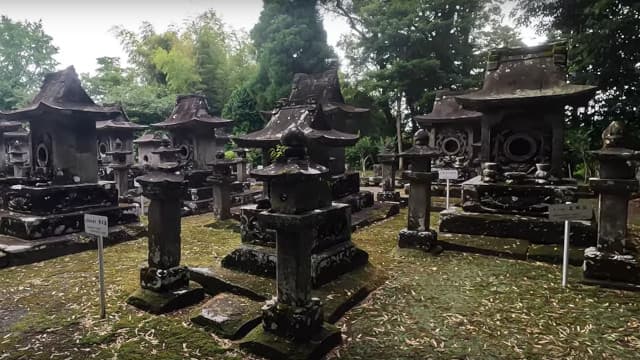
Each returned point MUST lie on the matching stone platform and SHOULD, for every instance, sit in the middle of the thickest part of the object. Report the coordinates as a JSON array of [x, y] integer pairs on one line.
[[235, 308], [15, 251], [536, 230], [611, 270]]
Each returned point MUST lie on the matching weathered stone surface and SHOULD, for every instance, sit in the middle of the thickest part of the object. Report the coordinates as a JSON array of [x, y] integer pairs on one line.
[[4, 260], [229, 316], [600, 265], [388, 196], [534, 229], [345, 184], [422, 240], [358, 201], [30, 227], [269, 345], [502, 247], [47, 200], [164, 302], [378, 212], [20, 252]]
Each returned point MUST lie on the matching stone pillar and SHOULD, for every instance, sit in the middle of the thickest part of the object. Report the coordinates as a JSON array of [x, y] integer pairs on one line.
[[389, 163], [164, 283], [612, 260], [418, 233], [241, 167], [221, 180], [557, 143]]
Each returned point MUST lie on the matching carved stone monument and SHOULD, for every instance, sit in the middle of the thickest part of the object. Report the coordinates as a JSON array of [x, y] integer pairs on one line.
[[389, 162], [614, 260], [146, 144], [164, 284], [300, 202], [193, 131], [6, 126], [418, 233], [522, 137], [62, 120], [222, 180], [115, 136], [455, 133]]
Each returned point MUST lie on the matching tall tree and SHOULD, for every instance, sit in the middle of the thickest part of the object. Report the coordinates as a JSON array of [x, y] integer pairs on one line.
[[26, 54], [289, 38], [604, 38]]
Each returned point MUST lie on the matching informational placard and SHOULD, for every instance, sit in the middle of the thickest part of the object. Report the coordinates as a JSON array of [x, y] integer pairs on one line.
[[447, 174], [99, 226], [567, 213], [570, 212], [96, 225]]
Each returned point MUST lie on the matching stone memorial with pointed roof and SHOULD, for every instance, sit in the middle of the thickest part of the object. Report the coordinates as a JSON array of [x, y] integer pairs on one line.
[[192, 129], [455, 132], [523, 101], [62, 121]]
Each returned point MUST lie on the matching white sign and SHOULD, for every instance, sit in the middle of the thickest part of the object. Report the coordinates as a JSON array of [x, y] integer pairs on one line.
[[569, 212], [96, 225], [447, 174]]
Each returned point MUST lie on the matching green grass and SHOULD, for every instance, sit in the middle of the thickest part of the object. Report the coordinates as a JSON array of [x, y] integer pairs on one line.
[[452, 306]]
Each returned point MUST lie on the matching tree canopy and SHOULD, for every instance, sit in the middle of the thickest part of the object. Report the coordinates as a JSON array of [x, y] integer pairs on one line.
[[26, 54]]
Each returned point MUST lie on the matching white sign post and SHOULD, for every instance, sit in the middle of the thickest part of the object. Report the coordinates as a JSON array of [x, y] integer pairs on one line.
[[567, 213], [99, 226], [447, 174]]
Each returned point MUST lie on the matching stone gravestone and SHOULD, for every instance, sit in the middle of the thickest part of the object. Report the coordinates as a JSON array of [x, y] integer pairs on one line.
[[221, 180], [164, 284], [418, 234], [300, 200], [612, 261]]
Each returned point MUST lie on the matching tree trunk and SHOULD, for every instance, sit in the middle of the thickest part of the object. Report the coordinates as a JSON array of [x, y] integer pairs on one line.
[[399, 129]]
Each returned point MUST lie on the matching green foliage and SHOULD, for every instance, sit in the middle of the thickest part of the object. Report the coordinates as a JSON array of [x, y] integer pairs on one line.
[[578, 142], [26, 54], [363, 153], [289, 39], [277, 152], [242, 108], [229, 155]]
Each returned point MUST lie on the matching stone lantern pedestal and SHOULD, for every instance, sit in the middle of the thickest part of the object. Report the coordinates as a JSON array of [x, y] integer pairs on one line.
[[300, 197], [612, 261], [221, 180], [164, 284], [389, 163], [418, 234]]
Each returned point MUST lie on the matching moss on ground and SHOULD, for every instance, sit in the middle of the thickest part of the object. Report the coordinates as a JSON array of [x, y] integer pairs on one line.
[[452, 306]]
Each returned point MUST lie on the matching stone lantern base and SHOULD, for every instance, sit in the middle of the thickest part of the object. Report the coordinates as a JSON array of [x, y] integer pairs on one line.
[[163, 291], [423, 240], [611, 270], [297, 322]]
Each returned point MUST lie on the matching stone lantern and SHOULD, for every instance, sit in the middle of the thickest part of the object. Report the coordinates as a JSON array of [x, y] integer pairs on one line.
[[120, 167], [612, 261], [221, 180], [164, 284], [5, 126], [18, 158], [389, 162], [300, 198], [418, 233]]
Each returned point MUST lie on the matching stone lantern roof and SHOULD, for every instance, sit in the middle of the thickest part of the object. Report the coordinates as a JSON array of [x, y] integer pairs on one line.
[[150, 138], [62, 91], [192, 111], [308, 118], [527, 76], [420, 148], [446, 109], [324, 88], [119, 122]]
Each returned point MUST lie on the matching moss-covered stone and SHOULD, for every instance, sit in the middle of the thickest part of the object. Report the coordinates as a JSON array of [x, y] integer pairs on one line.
[[266, 344], [163, 302], [229, 316]]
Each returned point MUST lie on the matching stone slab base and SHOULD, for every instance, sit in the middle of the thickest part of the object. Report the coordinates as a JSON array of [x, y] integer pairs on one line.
[[325, 266], [378, 212], [270, 346], [611, 268], [534, 229], [32, 227], [229, 316], [160, 303], [245, 197], [388, 196], [196, 207], [358, 201], [15, 251], [421, 240], [338, 296]]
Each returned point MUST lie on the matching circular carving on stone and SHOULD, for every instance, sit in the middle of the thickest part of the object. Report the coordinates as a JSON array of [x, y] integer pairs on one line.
[[451, 146], [145, 158], [284, 196], [184, 151], [103, 148], [520, 147], [42, 155]]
